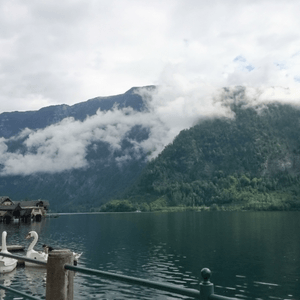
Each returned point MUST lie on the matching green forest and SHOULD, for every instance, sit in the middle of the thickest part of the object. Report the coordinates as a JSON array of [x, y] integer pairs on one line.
[[248, 162]]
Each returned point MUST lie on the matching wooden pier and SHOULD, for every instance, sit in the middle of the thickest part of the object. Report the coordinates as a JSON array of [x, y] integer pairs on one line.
[[14, 248]]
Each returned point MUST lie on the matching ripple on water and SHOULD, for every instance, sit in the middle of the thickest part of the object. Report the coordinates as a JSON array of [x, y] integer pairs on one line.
[[156, 254]]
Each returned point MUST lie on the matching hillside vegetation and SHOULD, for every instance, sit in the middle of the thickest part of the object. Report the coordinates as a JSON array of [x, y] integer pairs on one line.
[[76, 189], [251, 161]]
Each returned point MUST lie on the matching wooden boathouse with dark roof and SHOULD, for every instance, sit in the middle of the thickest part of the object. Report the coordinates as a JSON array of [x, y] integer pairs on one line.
[[22, 210]]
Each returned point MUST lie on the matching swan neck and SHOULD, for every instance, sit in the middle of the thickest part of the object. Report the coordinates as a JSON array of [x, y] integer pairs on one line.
[[4, 248], [35, 239]]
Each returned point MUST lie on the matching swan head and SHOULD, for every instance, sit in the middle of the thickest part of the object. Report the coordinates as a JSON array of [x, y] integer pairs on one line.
[[31, 234]]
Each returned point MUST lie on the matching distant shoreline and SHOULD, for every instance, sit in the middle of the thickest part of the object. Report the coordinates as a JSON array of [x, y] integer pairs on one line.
[[75, 213], [174, 209], [90, 213]]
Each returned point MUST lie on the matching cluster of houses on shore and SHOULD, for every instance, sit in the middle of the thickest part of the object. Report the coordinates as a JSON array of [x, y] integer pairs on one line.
[[22, 210]]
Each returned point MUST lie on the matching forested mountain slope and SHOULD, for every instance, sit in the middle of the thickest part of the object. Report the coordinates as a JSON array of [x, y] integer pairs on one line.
[[104, 176], [78, 157], [252, 158]]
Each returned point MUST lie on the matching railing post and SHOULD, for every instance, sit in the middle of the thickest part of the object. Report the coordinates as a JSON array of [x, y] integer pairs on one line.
[[59, 284], [206, 287]]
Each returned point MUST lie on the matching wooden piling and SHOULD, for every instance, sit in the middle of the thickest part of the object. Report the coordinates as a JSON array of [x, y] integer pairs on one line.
[[59, 284]]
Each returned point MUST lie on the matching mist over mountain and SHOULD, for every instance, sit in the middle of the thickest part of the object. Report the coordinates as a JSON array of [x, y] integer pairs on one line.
[[198, 147], [74, 156], [12, 123], [251, 159]]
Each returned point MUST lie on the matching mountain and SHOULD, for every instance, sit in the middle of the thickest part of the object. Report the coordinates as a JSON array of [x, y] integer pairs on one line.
[[251, 159], [96, 153], [104, 176], [11, 123]]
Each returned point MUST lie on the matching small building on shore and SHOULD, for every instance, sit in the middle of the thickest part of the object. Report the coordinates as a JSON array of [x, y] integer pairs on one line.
[[22, 210]]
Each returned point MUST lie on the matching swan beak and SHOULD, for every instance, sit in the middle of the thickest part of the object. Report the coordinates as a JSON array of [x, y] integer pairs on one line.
[[28, 236]]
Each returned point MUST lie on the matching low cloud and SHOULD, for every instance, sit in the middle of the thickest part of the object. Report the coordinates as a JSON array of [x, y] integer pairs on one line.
[[64, 146], [176, 104]]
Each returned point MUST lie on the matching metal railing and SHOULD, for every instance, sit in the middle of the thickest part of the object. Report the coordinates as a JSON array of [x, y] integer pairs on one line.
[[137, 281], [60, 273]]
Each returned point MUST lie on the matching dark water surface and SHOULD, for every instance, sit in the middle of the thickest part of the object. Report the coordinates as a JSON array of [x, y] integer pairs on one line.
[[252, 255]]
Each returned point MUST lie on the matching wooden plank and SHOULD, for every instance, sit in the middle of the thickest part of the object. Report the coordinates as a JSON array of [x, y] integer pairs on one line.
[[14, 248]]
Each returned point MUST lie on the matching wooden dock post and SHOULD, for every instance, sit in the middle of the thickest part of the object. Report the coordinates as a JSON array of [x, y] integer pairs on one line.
[[59, 284]]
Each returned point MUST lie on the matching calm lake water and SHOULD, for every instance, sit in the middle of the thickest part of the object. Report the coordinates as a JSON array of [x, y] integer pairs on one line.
[[252, 255]]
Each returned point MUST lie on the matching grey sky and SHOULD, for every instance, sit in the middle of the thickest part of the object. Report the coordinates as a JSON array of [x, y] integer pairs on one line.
[[69, 51]]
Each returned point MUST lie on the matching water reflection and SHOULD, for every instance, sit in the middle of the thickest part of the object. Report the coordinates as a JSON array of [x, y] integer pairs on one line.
[[251, 255], [36, 279], [6, 280]]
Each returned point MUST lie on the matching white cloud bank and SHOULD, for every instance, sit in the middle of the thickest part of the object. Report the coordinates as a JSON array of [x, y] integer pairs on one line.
[[75, 50], [170, 109], [64, 146]]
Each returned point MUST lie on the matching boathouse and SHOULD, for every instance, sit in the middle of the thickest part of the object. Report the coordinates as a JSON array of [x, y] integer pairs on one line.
[[25, 210], [38, 208]]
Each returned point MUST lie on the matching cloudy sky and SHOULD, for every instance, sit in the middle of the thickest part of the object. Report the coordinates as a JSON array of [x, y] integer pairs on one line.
[[69, 51]]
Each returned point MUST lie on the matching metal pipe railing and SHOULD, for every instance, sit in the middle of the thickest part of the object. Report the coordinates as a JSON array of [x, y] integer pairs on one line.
[[18, 293], [138, 281], [219, 297], [60, 281], [21, 258], [24, 258]]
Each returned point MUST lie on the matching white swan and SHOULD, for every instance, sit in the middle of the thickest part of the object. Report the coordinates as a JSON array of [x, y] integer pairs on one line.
[[7, 264], [31, 253], [40, 255]]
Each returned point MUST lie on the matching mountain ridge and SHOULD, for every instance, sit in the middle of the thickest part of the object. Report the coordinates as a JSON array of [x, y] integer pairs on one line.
[[252, 156], [101, 180], [12, 122]]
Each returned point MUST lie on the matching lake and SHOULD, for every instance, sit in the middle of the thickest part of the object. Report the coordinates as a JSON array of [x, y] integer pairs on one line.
[[252, 255]]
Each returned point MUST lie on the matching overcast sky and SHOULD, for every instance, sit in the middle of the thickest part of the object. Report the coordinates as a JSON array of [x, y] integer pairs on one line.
[[68, 51]]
